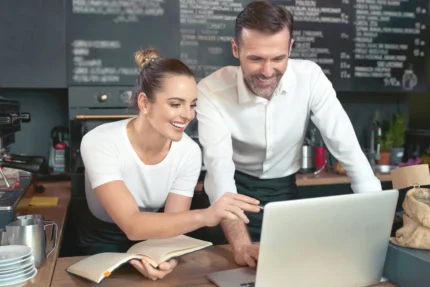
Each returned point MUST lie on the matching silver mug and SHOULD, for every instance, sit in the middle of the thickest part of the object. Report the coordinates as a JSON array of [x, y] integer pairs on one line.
[[31, 232]]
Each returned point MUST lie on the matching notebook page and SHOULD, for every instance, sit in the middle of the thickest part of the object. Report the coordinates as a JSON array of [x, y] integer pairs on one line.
[[157, 249], [99, 266]]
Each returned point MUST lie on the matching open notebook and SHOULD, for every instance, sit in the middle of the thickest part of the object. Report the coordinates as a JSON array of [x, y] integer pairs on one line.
[[155, 251]]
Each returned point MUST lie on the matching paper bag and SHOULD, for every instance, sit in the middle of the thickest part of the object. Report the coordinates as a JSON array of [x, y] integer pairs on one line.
[[415, 232]]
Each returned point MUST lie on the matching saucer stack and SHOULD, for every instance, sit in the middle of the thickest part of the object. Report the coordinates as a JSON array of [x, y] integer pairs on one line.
[[16, 265]]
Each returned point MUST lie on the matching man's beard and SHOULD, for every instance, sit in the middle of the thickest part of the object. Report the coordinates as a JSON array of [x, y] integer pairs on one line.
[[257, 84]]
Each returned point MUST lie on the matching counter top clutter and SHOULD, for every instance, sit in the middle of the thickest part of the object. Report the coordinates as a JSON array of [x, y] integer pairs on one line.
[[408, 257], [35, 268]]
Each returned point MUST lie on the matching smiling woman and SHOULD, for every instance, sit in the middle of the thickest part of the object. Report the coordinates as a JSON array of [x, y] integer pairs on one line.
[[137, 166], [166, 94]]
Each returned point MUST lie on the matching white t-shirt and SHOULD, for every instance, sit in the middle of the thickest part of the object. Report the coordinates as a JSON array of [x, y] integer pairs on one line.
[[108, 156]]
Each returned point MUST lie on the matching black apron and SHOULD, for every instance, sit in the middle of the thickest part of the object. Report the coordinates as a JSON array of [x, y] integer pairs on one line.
[[265, 190], [97, 236]]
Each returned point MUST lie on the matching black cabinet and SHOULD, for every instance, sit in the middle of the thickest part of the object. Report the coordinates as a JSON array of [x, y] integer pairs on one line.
[[312, 191], [32, 44]]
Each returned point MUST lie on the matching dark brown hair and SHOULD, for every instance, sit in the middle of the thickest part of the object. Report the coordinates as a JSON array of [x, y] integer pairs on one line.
[[153, 71], [265, 17]]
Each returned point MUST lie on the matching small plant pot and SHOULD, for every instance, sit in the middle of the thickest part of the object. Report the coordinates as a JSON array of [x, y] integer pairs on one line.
[[384, 158]]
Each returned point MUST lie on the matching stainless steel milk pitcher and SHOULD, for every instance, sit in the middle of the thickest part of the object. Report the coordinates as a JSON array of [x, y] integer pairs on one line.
[[31, 232]]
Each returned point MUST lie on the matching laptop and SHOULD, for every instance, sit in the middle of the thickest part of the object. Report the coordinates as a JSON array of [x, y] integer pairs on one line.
[[326, 242]]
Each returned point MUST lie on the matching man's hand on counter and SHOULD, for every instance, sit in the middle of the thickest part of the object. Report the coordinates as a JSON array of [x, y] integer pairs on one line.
[[247, 254], [150, 272]]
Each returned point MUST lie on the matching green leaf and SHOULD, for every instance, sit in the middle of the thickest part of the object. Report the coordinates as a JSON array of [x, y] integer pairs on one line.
[[393, 133]]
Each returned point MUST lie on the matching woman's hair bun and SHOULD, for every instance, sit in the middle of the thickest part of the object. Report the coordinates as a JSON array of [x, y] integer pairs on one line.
[[144, 57]]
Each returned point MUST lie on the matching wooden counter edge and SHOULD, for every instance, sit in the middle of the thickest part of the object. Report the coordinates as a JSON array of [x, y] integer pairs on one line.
[[323, 178], [331, 178]]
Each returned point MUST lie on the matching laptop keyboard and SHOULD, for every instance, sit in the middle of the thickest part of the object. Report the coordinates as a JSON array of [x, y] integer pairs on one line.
[[250, 284]]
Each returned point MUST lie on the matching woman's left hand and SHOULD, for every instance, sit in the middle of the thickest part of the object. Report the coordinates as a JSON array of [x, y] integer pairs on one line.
[[150, 272]]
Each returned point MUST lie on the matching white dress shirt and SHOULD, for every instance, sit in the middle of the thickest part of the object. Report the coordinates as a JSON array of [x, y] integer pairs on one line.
[[263, 138]]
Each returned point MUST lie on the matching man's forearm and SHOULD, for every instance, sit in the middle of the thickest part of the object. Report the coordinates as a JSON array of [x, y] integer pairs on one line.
[[236, 233]]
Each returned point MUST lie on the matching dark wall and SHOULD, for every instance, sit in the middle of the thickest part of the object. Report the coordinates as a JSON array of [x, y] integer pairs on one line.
[[419, 106], [48, 108], [32, 44], [361, 108], [419, 103], [419, 109]]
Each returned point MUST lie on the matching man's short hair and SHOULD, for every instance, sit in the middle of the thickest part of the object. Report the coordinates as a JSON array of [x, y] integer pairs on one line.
[[265, 17]]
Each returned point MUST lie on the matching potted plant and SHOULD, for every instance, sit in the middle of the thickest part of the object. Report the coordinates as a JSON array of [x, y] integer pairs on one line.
[[398, 129], [392, 141]]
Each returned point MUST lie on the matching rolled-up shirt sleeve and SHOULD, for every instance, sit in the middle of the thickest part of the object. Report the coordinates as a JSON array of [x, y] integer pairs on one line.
[[216, 141], [338, 133]]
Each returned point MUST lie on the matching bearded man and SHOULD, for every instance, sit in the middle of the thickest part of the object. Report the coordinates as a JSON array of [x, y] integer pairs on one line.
[[252, 120]]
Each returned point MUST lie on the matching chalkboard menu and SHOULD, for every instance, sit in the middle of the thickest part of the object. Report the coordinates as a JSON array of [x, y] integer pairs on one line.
[[361, 45]]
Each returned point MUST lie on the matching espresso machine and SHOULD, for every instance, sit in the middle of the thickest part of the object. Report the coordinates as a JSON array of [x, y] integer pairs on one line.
[[15, 183]]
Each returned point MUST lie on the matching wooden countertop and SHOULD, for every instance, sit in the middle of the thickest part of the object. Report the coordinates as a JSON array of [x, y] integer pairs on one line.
[[56, 213], [191, 271], [324, 178]]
